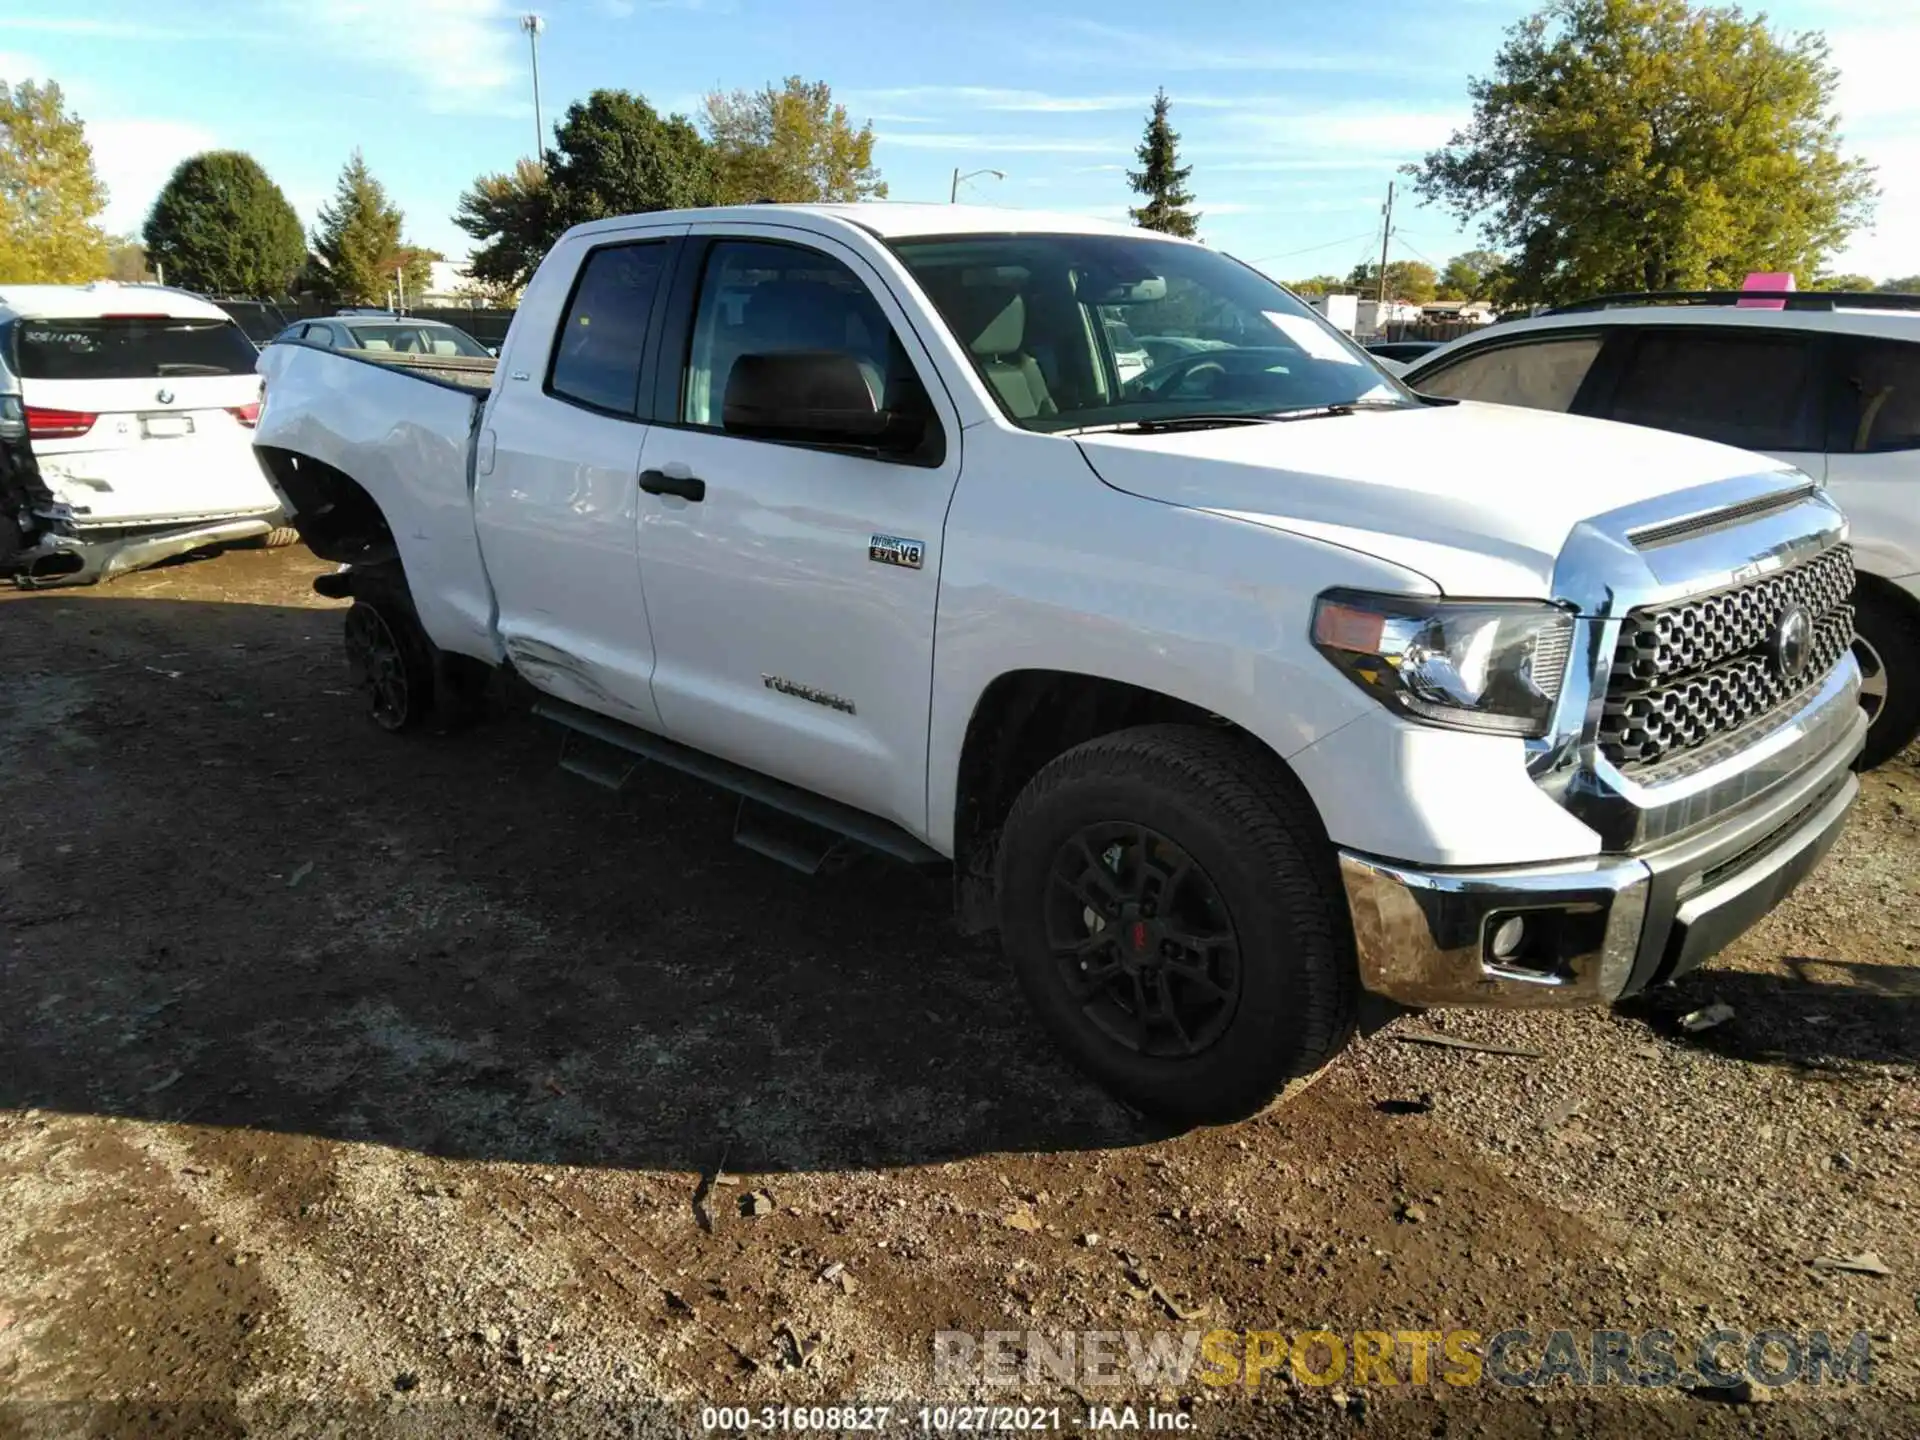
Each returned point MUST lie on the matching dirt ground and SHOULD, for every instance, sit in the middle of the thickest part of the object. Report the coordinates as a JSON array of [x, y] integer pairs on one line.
[[391, 1084]]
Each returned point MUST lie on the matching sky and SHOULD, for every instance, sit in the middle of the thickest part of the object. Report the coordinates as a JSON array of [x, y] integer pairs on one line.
[[1294, 116]]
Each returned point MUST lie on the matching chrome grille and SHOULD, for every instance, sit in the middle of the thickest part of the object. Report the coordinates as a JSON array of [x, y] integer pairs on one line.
[[1698, 669]]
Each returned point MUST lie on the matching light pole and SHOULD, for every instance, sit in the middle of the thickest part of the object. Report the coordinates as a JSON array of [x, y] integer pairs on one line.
[[953, 192], [533, 25]]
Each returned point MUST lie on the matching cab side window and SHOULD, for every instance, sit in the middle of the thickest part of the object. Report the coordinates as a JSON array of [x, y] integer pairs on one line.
[[761, 298], [1539, 374], [1877, 397], [602, 339]]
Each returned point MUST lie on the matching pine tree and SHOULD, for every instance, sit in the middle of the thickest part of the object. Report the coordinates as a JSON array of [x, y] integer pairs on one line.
[[1162, 179], [358, 239]]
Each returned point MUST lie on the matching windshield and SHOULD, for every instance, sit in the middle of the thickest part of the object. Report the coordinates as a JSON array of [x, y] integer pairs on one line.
[[261, 321], [129, 347], [417, 339], [1077, 330]]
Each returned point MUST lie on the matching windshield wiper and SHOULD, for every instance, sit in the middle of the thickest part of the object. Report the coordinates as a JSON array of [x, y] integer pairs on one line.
[[1343, 407], [1173, 422]]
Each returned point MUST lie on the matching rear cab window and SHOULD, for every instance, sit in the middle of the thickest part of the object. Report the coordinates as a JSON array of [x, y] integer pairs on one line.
[[602, 340], [129, 347]]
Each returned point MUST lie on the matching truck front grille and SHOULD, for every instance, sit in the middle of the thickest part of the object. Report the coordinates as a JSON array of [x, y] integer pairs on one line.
[[1698, 669]]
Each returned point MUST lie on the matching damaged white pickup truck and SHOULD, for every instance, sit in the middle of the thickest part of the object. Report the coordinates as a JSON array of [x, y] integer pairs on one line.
[[1230, 687]]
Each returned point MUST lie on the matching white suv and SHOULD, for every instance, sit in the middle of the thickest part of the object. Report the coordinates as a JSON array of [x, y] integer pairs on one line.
[[126, 429], [1829, 383]]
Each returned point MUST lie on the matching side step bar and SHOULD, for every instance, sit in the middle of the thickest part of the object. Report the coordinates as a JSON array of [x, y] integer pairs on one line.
[[789, 845]]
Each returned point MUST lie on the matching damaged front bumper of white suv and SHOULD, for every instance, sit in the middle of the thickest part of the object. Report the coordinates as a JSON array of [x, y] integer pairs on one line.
[[1706, 735]]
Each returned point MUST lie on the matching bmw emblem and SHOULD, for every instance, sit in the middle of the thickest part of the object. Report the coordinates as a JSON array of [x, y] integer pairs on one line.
[[165, 397], [1792, 643]]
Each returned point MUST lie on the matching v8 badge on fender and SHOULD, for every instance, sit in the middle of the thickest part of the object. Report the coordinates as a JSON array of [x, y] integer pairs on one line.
[[895, 550]]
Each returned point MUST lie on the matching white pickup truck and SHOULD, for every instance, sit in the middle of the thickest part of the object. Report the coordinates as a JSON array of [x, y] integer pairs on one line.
[[1230, 688]]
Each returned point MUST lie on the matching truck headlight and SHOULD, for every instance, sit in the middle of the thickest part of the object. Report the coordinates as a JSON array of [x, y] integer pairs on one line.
[[1479, 665]]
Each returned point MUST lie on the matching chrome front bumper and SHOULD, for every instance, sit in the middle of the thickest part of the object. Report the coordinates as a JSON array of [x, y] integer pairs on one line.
[[1605, 927]]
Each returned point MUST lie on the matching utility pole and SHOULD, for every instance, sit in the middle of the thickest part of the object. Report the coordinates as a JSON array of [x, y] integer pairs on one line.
[[533, 25], [1386, 234]]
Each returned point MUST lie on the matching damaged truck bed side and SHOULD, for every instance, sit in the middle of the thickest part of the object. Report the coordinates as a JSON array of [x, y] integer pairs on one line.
[[1230, 686]]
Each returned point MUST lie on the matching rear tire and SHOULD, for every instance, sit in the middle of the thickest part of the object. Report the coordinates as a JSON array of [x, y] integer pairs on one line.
[[391, 662], [1887, 647], [1170, 906]]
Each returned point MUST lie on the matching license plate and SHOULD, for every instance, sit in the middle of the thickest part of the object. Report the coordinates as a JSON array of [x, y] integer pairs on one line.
[[163, 427]]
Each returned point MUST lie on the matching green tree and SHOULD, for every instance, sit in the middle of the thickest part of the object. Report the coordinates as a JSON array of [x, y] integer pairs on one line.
[[127, 259], [1476, 275], [50, 196], [358, 239], [415, 264], [612, 155], [1319, 285], [1413, 281], [220, 225], [1855, 283], [1161, 178], [516, 217], [1901, 285], [789, 143], [1651, 144]]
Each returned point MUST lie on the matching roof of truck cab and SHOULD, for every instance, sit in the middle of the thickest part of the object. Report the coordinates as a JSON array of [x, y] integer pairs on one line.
[[892, 219], [102, 298]]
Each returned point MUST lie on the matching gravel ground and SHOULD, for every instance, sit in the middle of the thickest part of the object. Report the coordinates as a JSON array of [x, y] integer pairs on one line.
[[413, 1085]]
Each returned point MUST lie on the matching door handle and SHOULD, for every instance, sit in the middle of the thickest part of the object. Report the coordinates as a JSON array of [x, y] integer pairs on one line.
[[687, 487]]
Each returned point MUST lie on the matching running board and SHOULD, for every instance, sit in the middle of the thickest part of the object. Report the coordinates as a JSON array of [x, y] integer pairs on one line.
[[802, 852]]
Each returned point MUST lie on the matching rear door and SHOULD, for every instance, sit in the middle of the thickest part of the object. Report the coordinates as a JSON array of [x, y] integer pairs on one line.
[[1755, 388], [556, 490], [142, 418]]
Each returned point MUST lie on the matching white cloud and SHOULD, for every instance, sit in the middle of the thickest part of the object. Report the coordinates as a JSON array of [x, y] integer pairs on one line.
[[16, 65], [1094, 43], [451, 56], [134, 158], [1035, 102], [998, 144], [1879, 107]]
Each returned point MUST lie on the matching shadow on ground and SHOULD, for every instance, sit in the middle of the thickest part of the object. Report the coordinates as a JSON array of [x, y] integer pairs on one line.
[[230, 900], [1820, 1014]]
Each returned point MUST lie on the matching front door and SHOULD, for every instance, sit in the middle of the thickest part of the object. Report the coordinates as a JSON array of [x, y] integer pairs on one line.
[[792, 586]]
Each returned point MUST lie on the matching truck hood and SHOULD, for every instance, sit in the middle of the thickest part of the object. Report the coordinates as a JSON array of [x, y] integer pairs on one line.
[[1477, 498]]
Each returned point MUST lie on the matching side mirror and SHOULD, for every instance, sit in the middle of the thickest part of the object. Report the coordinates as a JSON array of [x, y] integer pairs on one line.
[[818, 396]]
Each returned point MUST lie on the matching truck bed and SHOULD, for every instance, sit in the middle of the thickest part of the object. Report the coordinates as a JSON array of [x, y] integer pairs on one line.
[[402, 428], [461, 372]]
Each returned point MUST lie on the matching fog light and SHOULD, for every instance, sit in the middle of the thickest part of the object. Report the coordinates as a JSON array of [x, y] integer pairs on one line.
[[1507, 939]]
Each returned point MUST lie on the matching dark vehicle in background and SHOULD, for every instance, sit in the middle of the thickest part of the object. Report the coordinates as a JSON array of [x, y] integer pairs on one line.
[[1405, 351], [259, 320]]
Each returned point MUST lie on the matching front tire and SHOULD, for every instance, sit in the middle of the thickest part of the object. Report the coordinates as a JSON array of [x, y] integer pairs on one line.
[[1887, 647], [1169, 904]]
